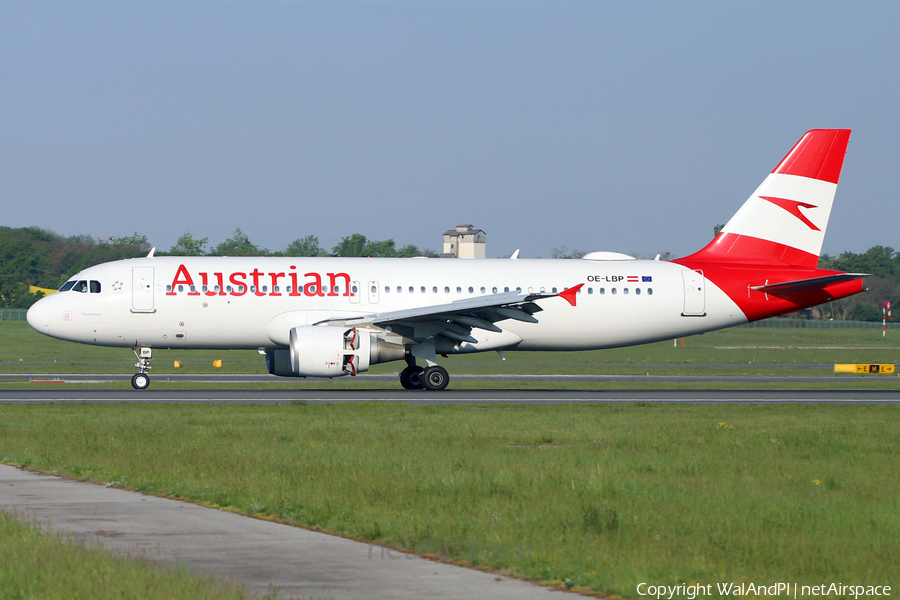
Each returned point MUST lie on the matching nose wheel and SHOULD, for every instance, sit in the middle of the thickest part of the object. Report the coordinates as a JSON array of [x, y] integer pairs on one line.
[[140, 381]]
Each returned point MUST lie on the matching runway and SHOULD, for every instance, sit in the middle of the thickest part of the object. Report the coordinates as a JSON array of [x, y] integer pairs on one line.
[[56, 394]]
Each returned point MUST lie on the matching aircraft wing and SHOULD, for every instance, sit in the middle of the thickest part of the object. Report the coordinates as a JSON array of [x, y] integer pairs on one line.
[[806, 285], [456, 320]]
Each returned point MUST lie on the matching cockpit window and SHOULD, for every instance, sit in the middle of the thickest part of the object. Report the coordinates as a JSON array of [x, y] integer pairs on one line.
[[67, 286], [81, 286], [95, 287]]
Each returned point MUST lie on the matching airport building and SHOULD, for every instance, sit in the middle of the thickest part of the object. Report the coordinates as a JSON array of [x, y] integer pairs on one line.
[[464, 242]]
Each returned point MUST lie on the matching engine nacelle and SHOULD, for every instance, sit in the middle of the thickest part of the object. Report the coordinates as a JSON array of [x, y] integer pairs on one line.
[[330, 352]]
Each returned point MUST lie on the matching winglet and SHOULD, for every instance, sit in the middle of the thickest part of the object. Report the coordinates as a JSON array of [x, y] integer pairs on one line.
[[569, 294]]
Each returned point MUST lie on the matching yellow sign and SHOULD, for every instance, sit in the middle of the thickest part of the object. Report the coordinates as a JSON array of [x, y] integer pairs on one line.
[[870, 368]]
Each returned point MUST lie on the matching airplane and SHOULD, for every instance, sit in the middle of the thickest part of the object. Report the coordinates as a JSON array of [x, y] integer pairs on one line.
[[330, 317]]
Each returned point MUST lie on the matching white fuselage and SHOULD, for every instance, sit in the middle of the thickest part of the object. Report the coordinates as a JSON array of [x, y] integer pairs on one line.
[[148, 302]]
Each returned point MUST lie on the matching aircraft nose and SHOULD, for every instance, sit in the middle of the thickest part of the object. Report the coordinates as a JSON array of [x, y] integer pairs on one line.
[[38, 316]]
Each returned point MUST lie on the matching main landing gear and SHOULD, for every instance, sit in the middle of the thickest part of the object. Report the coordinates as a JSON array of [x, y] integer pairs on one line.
[[141, 379], [433, 378]]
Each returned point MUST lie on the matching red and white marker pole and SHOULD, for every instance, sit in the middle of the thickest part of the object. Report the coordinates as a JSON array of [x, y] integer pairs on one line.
[[885, 315]]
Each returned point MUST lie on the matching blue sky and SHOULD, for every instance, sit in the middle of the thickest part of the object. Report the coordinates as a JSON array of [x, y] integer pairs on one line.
[[632, 126]]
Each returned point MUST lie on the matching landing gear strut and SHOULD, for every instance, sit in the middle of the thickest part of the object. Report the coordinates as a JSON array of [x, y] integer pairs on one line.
[[433, 378], [141, 379]]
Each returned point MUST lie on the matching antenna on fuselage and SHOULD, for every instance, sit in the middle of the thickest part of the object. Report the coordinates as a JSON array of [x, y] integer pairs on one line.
[[152, 250], [515, 255]]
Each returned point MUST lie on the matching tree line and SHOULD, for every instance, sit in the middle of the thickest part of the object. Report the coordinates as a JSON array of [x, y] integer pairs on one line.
[[33, 256]]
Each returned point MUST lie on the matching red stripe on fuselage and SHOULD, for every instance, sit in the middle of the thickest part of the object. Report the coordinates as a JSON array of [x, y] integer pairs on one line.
[[736, 279]]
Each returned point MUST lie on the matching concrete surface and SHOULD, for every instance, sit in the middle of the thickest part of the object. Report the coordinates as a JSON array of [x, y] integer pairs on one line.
[[257, 553]]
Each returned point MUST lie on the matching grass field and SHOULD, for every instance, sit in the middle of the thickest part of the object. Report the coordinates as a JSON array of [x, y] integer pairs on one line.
[[36, 564], [592, 497], [598, 497], [736, 351]]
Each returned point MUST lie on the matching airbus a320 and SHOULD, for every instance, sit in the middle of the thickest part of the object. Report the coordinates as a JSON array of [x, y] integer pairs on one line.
[[331, 317]]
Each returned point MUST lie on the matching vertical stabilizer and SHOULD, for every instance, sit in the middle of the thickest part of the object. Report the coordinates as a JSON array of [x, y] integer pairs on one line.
[[784, 221]]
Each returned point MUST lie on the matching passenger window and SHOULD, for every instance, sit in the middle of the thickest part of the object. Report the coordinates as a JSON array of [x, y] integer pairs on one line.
[[649, 291], [554, 290], [518, 289], [265, 289], [458, 290], [67, 286], [353, 289], [276, 289], [637, 291], [335, 290], [216, 289], [204, 289], [471, 289], [446, 289], [543, 289], [193, 289], [374, 289], [506, 289], [493, 290], [530, 290], [614, 291], [227, 288], [434, 290], [387, 289], [399, 289], [482, 289], [412, 289], [625, 291], [95, 287], [423, 289], [180, 288], [590, 290], [252, 289], [602, 291]]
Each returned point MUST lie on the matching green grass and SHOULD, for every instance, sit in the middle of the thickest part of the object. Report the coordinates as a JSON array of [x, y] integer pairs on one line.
[[753, 351], [37, 565], [597, 496]]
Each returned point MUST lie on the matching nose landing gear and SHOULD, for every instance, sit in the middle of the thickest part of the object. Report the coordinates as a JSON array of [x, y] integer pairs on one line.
[[141, 379]]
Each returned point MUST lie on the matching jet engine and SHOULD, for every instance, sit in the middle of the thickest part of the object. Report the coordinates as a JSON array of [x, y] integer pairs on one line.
[[330, 352]]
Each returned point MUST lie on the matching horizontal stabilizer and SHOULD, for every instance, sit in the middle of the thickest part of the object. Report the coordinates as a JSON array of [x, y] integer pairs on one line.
[[806, 285]]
